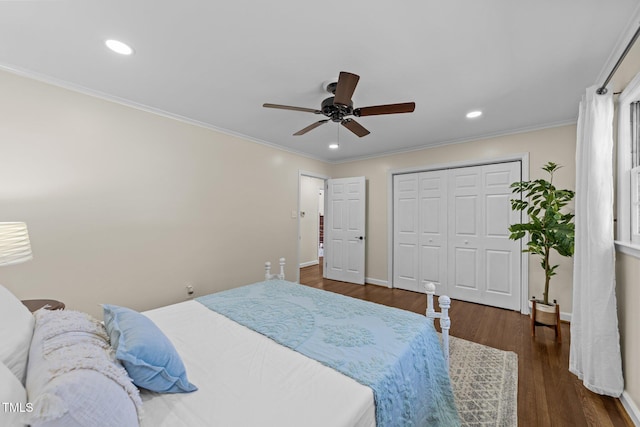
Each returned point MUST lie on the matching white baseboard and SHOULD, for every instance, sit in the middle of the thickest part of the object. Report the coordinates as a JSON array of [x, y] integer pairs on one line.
[[631, 408], [378, 282], [308, 263]]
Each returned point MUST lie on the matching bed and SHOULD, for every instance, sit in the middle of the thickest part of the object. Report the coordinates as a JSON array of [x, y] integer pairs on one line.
[[273, 353]]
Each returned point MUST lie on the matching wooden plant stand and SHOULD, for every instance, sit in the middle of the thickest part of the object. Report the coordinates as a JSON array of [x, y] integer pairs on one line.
[[549, 321]]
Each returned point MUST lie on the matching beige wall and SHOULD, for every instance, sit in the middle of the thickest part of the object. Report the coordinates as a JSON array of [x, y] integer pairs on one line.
[[554, 144], [126, 207], [628, 296], [628, 272]]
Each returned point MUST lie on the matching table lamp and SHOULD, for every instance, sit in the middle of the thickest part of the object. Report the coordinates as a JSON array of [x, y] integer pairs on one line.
[[14, 243]]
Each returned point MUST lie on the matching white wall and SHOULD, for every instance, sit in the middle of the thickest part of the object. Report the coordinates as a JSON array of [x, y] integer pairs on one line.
[[126, 207]]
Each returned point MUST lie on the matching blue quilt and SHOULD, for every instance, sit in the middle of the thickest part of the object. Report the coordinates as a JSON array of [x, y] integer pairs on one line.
[[395, 352]]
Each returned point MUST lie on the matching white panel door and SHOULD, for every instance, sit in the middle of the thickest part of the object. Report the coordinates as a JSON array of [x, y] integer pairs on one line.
[[450, 227], [484, 265], [433, 230], [345, 230], [406, 226], [465, 243], [420, 231], [502, 255]]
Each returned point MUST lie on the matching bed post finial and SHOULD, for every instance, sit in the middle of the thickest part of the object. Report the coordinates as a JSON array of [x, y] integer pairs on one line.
[[267, 270], [443, 316], [445, 323], [431, 290]]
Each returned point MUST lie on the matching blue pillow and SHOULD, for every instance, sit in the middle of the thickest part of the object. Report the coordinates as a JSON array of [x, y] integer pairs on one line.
[[145, 352]]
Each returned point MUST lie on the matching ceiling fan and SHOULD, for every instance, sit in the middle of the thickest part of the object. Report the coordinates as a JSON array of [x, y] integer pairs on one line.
[[339, 106]]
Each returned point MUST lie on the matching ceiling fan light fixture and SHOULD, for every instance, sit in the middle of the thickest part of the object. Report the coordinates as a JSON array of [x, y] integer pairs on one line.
[[339, 107], [119, 47], [474, 114]]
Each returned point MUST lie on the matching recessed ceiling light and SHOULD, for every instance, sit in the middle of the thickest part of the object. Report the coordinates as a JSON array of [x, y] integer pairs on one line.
[[334, 146], [474, 114], [119, 47]]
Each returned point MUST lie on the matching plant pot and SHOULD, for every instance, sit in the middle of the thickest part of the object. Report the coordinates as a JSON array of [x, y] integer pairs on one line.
[[544, 314]]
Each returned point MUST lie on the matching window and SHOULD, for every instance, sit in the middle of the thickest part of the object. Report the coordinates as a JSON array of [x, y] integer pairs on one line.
[[628, 171], [635, 205], [634, 152], [634, 121]]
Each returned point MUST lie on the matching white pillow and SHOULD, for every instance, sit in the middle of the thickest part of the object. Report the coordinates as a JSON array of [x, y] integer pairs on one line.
[[16, 329], [73, 380], [13, 398]]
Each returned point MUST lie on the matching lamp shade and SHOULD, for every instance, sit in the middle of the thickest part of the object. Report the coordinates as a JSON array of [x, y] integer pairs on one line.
[[14, 243]]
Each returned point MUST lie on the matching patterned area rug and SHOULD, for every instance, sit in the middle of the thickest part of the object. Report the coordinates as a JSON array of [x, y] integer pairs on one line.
[[485, 384]]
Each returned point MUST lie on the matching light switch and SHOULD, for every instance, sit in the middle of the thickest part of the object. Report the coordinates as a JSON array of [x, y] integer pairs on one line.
[[294, 214]]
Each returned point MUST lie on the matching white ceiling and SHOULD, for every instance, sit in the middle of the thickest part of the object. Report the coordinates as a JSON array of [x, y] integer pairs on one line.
[[524, 64]]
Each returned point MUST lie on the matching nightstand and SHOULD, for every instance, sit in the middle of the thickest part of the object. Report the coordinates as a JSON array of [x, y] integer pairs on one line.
[[49, 304]]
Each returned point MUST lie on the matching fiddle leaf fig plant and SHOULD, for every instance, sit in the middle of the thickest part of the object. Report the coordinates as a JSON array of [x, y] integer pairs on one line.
[[548, 227]]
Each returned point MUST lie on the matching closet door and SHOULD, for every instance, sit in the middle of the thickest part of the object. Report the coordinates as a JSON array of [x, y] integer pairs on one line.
[[420, 231], [451, 227], [433, 230], [406, 230], [484, 265], [465, 237], [502, 257]]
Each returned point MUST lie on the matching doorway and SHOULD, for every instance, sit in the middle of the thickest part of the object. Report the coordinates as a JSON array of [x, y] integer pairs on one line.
[[343, 225], [345, 228], [311, 220]]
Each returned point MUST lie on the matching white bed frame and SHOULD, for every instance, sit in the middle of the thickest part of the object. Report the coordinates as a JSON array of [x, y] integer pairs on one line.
[[267, 271], [442, 315]]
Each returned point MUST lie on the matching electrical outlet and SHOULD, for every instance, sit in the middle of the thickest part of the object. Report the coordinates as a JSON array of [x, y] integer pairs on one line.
[[190, 290]]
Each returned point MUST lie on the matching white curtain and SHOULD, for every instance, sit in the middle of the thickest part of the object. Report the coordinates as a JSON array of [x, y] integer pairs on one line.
[[595, 342]]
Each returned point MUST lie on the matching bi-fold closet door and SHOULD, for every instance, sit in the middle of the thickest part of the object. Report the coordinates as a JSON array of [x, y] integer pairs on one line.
[[451, 228], [420, 230]]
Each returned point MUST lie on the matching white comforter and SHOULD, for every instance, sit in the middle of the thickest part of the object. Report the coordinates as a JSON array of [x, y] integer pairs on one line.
[[246, 379]]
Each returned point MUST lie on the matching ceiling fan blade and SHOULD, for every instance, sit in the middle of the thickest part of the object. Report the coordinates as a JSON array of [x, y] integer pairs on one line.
[[355, 127], [311, 127], [289, 107], [346, 86], [377, 110]]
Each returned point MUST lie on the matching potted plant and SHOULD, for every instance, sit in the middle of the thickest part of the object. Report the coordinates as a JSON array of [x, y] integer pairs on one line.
[[548, 228]]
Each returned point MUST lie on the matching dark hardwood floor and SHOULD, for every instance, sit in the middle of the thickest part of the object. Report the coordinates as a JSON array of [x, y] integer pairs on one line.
[[548, 394]]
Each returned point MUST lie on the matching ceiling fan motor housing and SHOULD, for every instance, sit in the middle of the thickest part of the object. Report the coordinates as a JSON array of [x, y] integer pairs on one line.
[[336, 112], [331, 85]]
